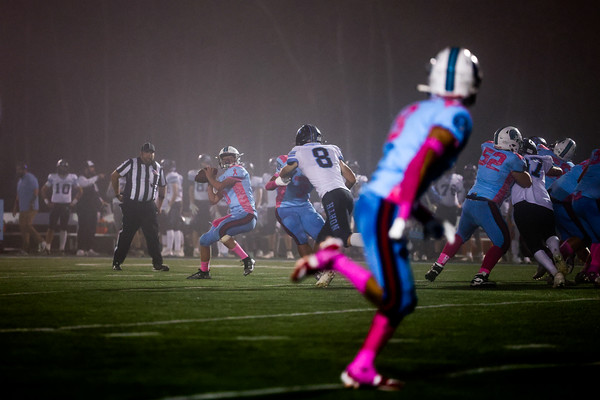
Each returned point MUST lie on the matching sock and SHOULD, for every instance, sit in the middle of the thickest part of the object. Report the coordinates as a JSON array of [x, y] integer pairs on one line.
[[554, 245], [239, 251], [566, 250], [546, 262], [450, 250], [170, 239], [178, 235], [356, 274], [491, 258], [356, 240], [204, 266], [594, 258], [62, 235], [362, 367]]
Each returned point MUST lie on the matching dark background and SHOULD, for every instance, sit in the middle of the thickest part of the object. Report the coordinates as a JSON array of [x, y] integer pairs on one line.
[[94, 79]]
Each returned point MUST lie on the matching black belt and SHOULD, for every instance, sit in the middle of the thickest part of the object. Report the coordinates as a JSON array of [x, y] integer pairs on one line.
[[476, 198]]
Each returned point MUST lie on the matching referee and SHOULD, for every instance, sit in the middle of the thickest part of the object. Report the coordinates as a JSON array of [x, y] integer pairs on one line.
[[145, 180]]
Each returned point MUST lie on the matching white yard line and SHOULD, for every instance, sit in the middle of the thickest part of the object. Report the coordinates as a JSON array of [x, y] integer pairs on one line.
[[268, 316], [258, 392]]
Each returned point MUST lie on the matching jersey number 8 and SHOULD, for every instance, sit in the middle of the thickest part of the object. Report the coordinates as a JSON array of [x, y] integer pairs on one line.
[[322, 157]]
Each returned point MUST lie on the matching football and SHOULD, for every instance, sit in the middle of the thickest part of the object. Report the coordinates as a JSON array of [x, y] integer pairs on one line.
[[201, 175]]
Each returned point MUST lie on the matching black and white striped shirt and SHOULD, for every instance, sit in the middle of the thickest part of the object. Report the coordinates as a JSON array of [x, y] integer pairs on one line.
[[142, 181]]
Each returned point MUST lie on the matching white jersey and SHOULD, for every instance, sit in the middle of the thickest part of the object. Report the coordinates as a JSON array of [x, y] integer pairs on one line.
[[537, 166], [450, 190], [200, 189], [62, 187], [174, 192], [320, 163]]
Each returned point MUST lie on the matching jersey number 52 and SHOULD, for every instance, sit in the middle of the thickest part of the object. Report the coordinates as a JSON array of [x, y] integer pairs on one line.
[[491, 158]]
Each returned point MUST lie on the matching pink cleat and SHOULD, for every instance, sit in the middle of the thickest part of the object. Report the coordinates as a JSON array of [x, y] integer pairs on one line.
[[320, 261], [375, 382]]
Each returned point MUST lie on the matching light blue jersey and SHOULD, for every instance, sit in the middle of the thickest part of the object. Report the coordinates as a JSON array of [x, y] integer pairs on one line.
[[408, 134], [239, 197], [565, 185], [297, 192], [564, 165], [494, 179], [589, 183]]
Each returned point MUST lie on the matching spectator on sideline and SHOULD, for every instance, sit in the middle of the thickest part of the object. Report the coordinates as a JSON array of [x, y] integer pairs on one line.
[[27, 205]]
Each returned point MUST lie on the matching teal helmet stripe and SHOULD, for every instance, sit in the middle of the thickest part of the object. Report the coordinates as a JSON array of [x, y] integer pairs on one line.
[[566, 149], [451, 70]]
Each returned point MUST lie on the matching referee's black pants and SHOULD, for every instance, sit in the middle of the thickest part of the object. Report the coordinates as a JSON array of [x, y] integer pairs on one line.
[[138, 215]]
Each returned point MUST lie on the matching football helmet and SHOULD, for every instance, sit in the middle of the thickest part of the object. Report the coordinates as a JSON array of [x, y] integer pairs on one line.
[[229, 151], [528, 146], [168, 165], [454, 72], [62, 167], [308, 134], [204, 159], [565, 149], [508, 138], [539, 140]]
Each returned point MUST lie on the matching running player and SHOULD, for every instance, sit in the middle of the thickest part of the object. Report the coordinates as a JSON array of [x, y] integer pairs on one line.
[[234, 186], [499, 167], [423, 142]]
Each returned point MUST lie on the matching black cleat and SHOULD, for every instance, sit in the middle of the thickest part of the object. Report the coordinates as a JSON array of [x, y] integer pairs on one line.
[[117, 266], [160, 268], [434, 271], [200, 275], [481, 281], [248, 265]]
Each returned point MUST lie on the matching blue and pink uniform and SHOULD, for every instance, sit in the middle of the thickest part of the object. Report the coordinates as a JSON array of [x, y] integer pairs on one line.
[[293, 209], [586, 199], [492, 186], [564, 165], [242, 212], [395, 182], [561, 192]]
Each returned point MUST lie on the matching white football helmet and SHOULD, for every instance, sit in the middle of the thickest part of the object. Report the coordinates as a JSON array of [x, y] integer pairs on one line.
[[565, 149], [454, 72], [508, 138], [229, 151]]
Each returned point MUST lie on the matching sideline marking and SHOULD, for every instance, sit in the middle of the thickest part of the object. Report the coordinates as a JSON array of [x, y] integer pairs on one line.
[[515, 367], [259, 392], [266, 316], [132, 334]]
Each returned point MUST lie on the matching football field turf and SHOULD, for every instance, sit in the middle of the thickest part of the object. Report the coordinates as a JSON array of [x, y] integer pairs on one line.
[[73, 328]]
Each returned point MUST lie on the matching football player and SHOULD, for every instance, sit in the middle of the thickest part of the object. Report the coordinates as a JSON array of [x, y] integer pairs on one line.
[[293, 208], [499, 167], [575, 240], [324, 166], [61, 193], [423, 142], [562, 151], [586, 203], [234, 186], [534, 215], [170, 212]]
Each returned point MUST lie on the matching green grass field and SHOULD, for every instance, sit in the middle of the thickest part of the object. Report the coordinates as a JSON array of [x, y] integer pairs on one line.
[[73, 328]]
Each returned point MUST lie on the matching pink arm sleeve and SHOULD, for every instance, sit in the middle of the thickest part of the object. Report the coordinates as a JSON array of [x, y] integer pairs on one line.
[[404, 193]]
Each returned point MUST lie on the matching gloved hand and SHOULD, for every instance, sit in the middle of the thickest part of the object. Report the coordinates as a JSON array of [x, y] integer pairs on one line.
[[193, 208], [396, 232]]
